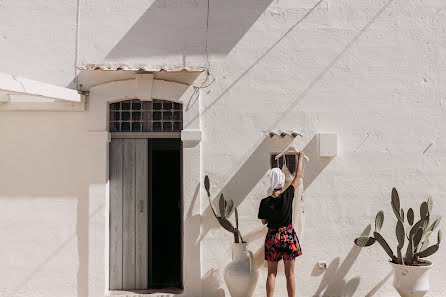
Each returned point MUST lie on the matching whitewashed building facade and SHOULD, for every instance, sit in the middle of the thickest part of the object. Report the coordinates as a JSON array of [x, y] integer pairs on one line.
[[204, 82]]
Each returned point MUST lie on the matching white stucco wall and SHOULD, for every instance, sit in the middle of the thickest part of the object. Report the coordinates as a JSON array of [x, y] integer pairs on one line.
[[43, 204], [373, 72]]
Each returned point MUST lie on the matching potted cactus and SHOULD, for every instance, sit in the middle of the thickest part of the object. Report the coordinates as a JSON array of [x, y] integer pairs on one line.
[[239, 275], [225, 207], [411, 270]]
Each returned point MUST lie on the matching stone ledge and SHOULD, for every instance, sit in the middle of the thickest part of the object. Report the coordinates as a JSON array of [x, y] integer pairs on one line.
[[191, 135]]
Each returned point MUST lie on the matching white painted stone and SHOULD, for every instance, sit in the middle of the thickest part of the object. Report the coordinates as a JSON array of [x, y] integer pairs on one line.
[[191, 135], [372, 72]]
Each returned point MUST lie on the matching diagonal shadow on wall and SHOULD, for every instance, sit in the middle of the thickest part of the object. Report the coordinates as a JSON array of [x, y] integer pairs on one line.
[[314, 167], [333, 282], [82, 275], [241, 183], [179, 27], [313, 82], [379, 285], [252, 171]]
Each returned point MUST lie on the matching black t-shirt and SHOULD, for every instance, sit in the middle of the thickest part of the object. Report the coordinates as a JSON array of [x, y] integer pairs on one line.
[[278, 211]]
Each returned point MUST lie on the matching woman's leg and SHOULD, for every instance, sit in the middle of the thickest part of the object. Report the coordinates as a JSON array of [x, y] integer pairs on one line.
[[289, 272], [271, 279]]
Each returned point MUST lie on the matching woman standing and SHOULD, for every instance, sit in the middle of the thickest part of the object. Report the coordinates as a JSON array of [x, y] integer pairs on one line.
[[281, 241]]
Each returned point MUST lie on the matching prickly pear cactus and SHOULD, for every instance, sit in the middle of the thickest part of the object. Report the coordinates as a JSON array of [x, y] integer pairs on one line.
[[417, 234], [225, 208]]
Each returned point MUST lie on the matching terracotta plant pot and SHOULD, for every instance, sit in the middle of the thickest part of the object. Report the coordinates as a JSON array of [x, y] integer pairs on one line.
[[239, 275], [411, 281]]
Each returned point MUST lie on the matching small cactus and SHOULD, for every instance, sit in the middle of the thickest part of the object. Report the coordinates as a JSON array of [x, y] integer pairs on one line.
[[417, 234], [225, 208]]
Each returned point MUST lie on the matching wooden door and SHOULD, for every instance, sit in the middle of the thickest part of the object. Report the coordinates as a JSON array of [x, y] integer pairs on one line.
[[129, 162]]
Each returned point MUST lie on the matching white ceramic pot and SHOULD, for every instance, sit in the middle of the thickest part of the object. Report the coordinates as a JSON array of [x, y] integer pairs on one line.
[[411, 281], [239, 275]]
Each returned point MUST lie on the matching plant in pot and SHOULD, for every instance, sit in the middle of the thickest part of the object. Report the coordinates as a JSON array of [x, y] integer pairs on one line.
[[239, 275], [411, 270]]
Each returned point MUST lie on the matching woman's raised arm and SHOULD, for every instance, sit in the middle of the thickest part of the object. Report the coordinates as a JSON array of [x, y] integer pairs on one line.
[[298, 170]]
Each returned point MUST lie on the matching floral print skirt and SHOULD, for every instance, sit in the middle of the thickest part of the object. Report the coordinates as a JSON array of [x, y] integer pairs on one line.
[[282, 243]]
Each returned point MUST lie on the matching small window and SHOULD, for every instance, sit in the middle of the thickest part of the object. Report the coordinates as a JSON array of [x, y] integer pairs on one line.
[[146, 116], [290, 162]]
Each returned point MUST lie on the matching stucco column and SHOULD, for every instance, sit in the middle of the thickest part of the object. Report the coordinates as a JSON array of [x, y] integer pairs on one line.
[[191, 212]]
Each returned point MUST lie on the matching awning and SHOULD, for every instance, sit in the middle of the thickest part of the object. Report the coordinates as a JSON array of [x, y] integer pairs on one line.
[[148, 68], [18, 93]]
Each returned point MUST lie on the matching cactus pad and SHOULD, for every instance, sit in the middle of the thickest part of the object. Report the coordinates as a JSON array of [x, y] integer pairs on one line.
[[428, 252], [425, 245], [379, 221], [364, 241], [236, 218], [424, 210], [229, 206], [417, 239], [396, 203], [207, 184], [385, 246], [430, 203], [400, 234], [226, 224], [410, 216], [435, 224]]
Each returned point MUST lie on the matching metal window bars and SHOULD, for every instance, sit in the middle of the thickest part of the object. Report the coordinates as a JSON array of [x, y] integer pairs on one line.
[[146, 116]]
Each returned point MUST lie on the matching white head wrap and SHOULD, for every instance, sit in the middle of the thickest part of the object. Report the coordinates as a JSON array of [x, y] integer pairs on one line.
[[276, 177]]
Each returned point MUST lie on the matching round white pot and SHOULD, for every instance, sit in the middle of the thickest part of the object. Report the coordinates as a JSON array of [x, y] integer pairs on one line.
[[411, 281], [239, 275]]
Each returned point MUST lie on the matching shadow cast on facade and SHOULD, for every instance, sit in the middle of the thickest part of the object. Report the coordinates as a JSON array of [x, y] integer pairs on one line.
[[181, 27], [313, 82], [82, 239], [41, 184], [379, 285], [242, 182], [211, 284], [250, 173], [333, 282], [314, 167]]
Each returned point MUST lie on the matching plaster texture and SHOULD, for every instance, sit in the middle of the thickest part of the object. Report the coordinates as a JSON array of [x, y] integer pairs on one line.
[[373, 72]]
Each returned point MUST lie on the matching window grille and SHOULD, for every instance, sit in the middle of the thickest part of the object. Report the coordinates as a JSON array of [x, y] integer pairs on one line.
[[146, 116]]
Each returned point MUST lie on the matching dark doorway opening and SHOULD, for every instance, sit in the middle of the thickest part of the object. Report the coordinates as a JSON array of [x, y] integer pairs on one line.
[[165, 213]]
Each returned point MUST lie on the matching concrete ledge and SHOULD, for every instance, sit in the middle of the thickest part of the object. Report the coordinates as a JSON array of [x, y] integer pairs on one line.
[[191, 135], [43, 106], [11, 84]]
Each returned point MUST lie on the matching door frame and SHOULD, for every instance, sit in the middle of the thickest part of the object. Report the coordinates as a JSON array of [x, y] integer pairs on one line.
[[142, 87]]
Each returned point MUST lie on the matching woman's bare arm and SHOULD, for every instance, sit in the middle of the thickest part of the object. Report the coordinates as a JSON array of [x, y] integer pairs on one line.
[[298, 170]]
